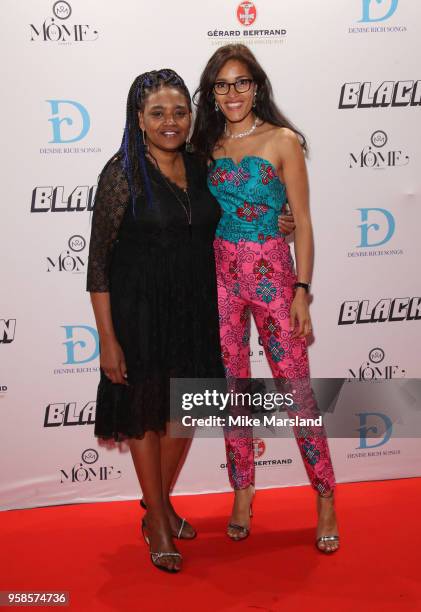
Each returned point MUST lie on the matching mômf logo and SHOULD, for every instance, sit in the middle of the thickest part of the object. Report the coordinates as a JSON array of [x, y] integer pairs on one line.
[[88, 470], [58, 29]]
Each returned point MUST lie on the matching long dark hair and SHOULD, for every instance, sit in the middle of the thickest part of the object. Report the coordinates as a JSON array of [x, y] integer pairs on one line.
[[132, 150], [210, 123]]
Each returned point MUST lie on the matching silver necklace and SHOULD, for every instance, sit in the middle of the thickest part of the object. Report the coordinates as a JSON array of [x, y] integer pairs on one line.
[[242, 134], [168, 184]]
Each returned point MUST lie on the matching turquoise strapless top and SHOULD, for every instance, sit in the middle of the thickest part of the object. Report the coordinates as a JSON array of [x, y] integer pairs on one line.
[[251, 196]]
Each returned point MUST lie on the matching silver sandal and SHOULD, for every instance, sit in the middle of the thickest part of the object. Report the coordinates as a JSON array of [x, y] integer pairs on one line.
[[179, 533], [325, 538], [156, 556]]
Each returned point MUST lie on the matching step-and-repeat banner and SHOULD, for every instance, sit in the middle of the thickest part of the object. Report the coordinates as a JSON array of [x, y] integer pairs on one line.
[[347, 73]]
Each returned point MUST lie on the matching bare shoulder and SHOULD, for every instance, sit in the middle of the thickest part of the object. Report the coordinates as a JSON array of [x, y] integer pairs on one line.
[[286, 140], [283, 145]]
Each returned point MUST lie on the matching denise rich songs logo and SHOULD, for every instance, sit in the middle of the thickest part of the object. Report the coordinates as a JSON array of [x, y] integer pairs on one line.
[[376, 18], [372, 423], [69, 123], [75, 118], [81, 347], [383, 229], [377, 10], [376, 228], [82, 344]]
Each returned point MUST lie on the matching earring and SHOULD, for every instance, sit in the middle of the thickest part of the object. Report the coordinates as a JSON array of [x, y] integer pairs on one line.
[[254, 99], [216, 106], [189, 146], [145, 144]]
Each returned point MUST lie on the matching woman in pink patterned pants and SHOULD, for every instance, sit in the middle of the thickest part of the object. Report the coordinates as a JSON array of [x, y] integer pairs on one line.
[[238, 120], [258, 279]]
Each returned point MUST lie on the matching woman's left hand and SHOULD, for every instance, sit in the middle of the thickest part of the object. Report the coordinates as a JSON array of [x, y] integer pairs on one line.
[[300, 320]]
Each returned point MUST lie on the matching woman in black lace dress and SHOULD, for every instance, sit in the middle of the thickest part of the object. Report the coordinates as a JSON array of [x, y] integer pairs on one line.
[[151, 275]]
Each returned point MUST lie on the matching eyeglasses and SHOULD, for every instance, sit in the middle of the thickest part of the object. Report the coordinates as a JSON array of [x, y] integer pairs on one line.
[[241, 86]]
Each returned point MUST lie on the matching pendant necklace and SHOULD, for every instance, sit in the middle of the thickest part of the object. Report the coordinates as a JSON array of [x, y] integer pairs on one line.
[[187, 211], [242, 134]]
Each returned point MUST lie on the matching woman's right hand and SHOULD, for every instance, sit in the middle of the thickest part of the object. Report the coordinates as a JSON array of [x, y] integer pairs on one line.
[[113, 362]]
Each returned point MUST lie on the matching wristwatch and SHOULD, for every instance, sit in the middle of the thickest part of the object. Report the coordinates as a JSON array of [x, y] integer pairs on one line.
[[305, 286]]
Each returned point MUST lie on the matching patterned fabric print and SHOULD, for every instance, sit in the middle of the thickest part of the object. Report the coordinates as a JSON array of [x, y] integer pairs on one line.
[[267, 173], [263, 286], [262, 268], [266, 291], [251, 197], [247, 212]]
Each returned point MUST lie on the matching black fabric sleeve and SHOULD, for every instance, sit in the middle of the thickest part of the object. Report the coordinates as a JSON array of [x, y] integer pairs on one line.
[[111, 201]]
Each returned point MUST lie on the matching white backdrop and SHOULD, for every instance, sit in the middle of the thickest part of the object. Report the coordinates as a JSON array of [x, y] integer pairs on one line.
[[65, 81]]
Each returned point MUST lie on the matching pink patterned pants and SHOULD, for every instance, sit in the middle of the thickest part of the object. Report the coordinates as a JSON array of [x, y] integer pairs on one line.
[[257, 278]]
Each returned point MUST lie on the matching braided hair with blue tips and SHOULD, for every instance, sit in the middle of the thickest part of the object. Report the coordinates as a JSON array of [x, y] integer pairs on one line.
[[133, 149]]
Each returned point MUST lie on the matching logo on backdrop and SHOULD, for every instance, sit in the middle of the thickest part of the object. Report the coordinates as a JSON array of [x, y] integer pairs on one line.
[[88, 470], [246, 14], [376, 234], [62, 10], [81, 347], [376, 228], [373, 424], [69, 113], [256, 353], [373, 16], [57, 29], [393, 94], [7, 330], [384, 12], [375, 368], [82, 344], [380, 311], [376, 155], [259, 447], [52, 199], [70, 122], [69, 414], [3, 390], [71, 259]]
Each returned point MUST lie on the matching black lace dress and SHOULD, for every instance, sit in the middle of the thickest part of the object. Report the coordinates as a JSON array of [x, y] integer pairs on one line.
[[162, 285]]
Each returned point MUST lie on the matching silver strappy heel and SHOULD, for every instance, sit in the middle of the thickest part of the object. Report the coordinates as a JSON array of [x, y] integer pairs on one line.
[[176, 534], [156, 556], [324, 539], [242, 532]]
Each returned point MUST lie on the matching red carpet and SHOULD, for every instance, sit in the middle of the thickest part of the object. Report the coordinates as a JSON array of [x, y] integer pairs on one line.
[[95, 552]]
